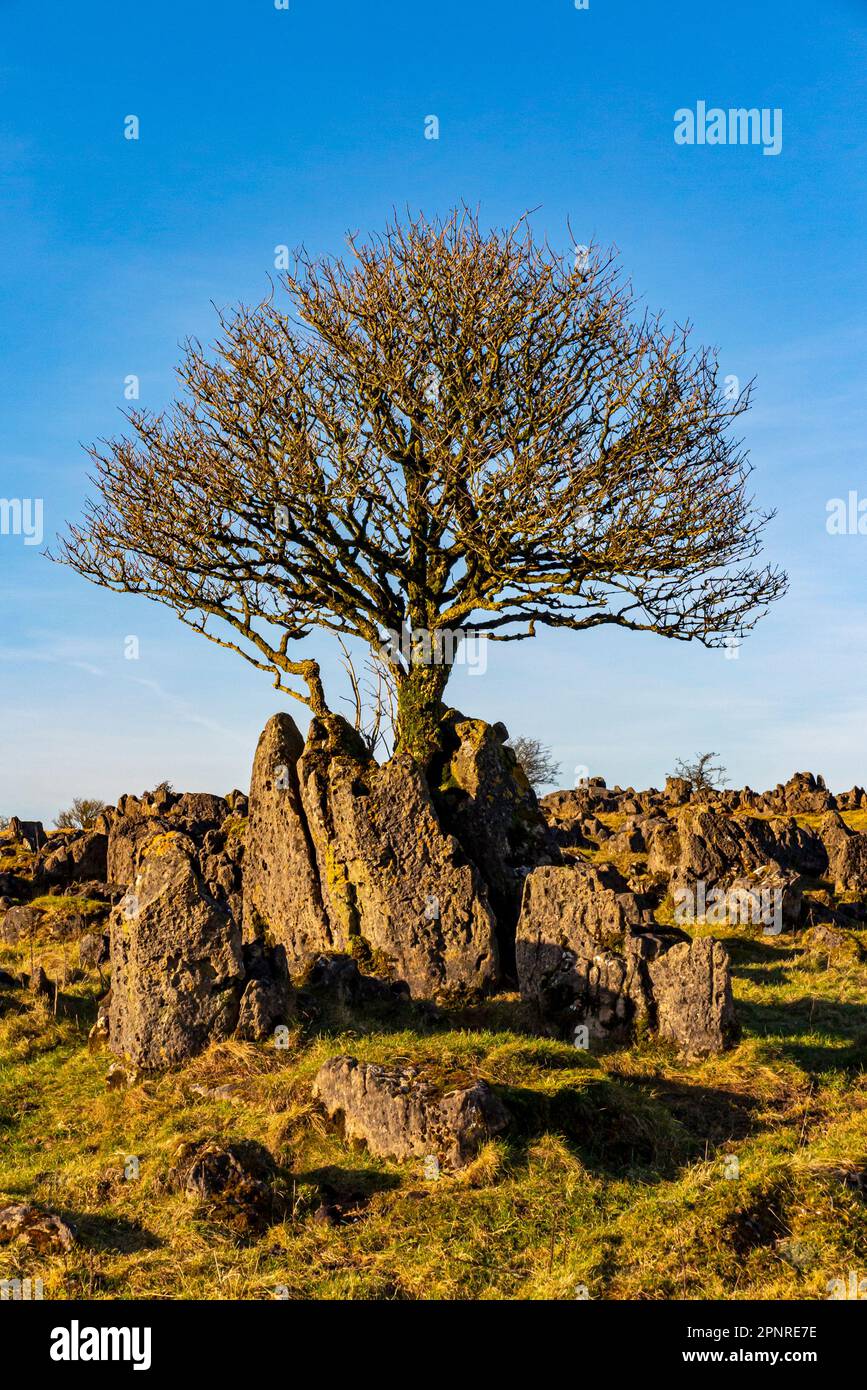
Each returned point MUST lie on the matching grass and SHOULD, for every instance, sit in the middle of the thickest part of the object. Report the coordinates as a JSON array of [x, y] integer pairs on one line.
[[614, 1175], [57, 905]]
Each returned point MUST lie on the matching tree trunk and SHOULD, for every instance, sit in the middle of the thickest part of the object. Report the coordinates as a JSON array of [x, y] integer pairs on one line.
[[420, 710]]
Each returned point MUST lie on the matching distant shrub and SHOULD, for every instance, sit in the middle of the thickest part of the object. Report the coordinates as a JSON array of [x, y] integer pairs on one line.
[[81, 814], [703, 774], [536, 760]]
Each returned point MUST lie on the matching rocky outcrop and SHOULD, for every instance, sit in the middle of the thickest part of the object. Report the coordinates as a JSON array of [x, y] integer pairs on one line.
[[398, 890], [574, 949], [346, 856], [400, 1115], [128, 837], [677, 790], [587, 954], [769, 897], [484, 799], [177, 967], [199, 812], [712, 847], [30, 832], [78, 857], [267, 999]]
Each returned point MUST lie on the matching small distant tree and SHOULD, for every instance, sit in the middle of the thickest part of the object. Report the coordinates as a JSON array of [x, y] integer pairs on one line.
[[452, 431], [373, 701], [81, 814], [162, 789], [703, 774], [4, 822], [536, 760]]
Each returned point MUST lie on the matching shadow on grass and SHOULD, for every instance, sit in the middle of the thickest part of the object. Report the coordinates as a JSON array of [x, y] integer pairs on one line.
[[614, 1130], [111, 1234], [359, 1184], [818, 1035]]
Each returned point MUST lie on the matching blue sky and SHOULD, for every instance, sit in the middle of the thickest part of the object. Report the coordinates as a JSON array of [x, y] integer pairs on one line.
[[260, 127]]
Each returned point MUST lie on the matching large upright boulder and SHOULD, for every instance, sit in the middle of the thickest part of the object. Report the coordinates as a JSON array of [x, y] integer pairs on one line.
[[282, 892], [484, 798], [576, 952], [846, 851], [177, 967], [345, 856], [692, 996], [398, 890]]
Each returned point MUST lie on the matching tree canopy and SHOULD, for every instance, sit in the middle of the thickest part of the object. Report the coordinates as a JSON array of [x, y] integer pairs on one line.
[[448, 430]]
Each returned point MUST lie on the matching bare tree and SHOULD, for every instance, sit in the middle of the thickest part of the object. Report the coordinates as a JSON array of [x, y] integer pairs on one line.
[[536, 760], [81, 814], [703, 774], [448, 431]]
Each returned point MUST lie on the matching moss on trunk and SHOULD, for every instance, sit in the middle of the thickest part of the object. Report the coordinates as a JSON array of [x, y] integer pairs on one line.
[[420, 711]]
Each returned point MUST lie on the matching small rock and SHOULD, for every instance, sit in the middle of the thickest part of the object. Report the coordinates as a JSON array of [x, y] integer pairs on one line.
[[42, 1230], [399, 1115], [237, 1179], [94, 950], [117, 1077], [39, 983]]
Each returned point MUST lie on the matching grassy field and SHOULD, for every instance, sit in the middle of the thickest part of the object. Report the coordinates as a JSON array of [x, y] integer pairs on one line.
[[617, 1178]]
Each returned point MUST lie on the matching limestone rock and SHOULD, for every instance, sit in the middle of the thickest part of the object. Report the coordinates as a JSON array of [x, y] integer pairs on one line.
[[847, 853], [31, 832], [238, 1180], [398, 890], [769, 897], [677, 790], [576, 952], [484, 798], [713, 847], [267, 997], [282, 894], [43, 1231], [94, 950], [835, 945], [339, 979], [18, 924], [399, 1115], [586, 954], [176, 961], [692, 996], [129, 836], [197, 812], [81, 857], [806, 794]]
